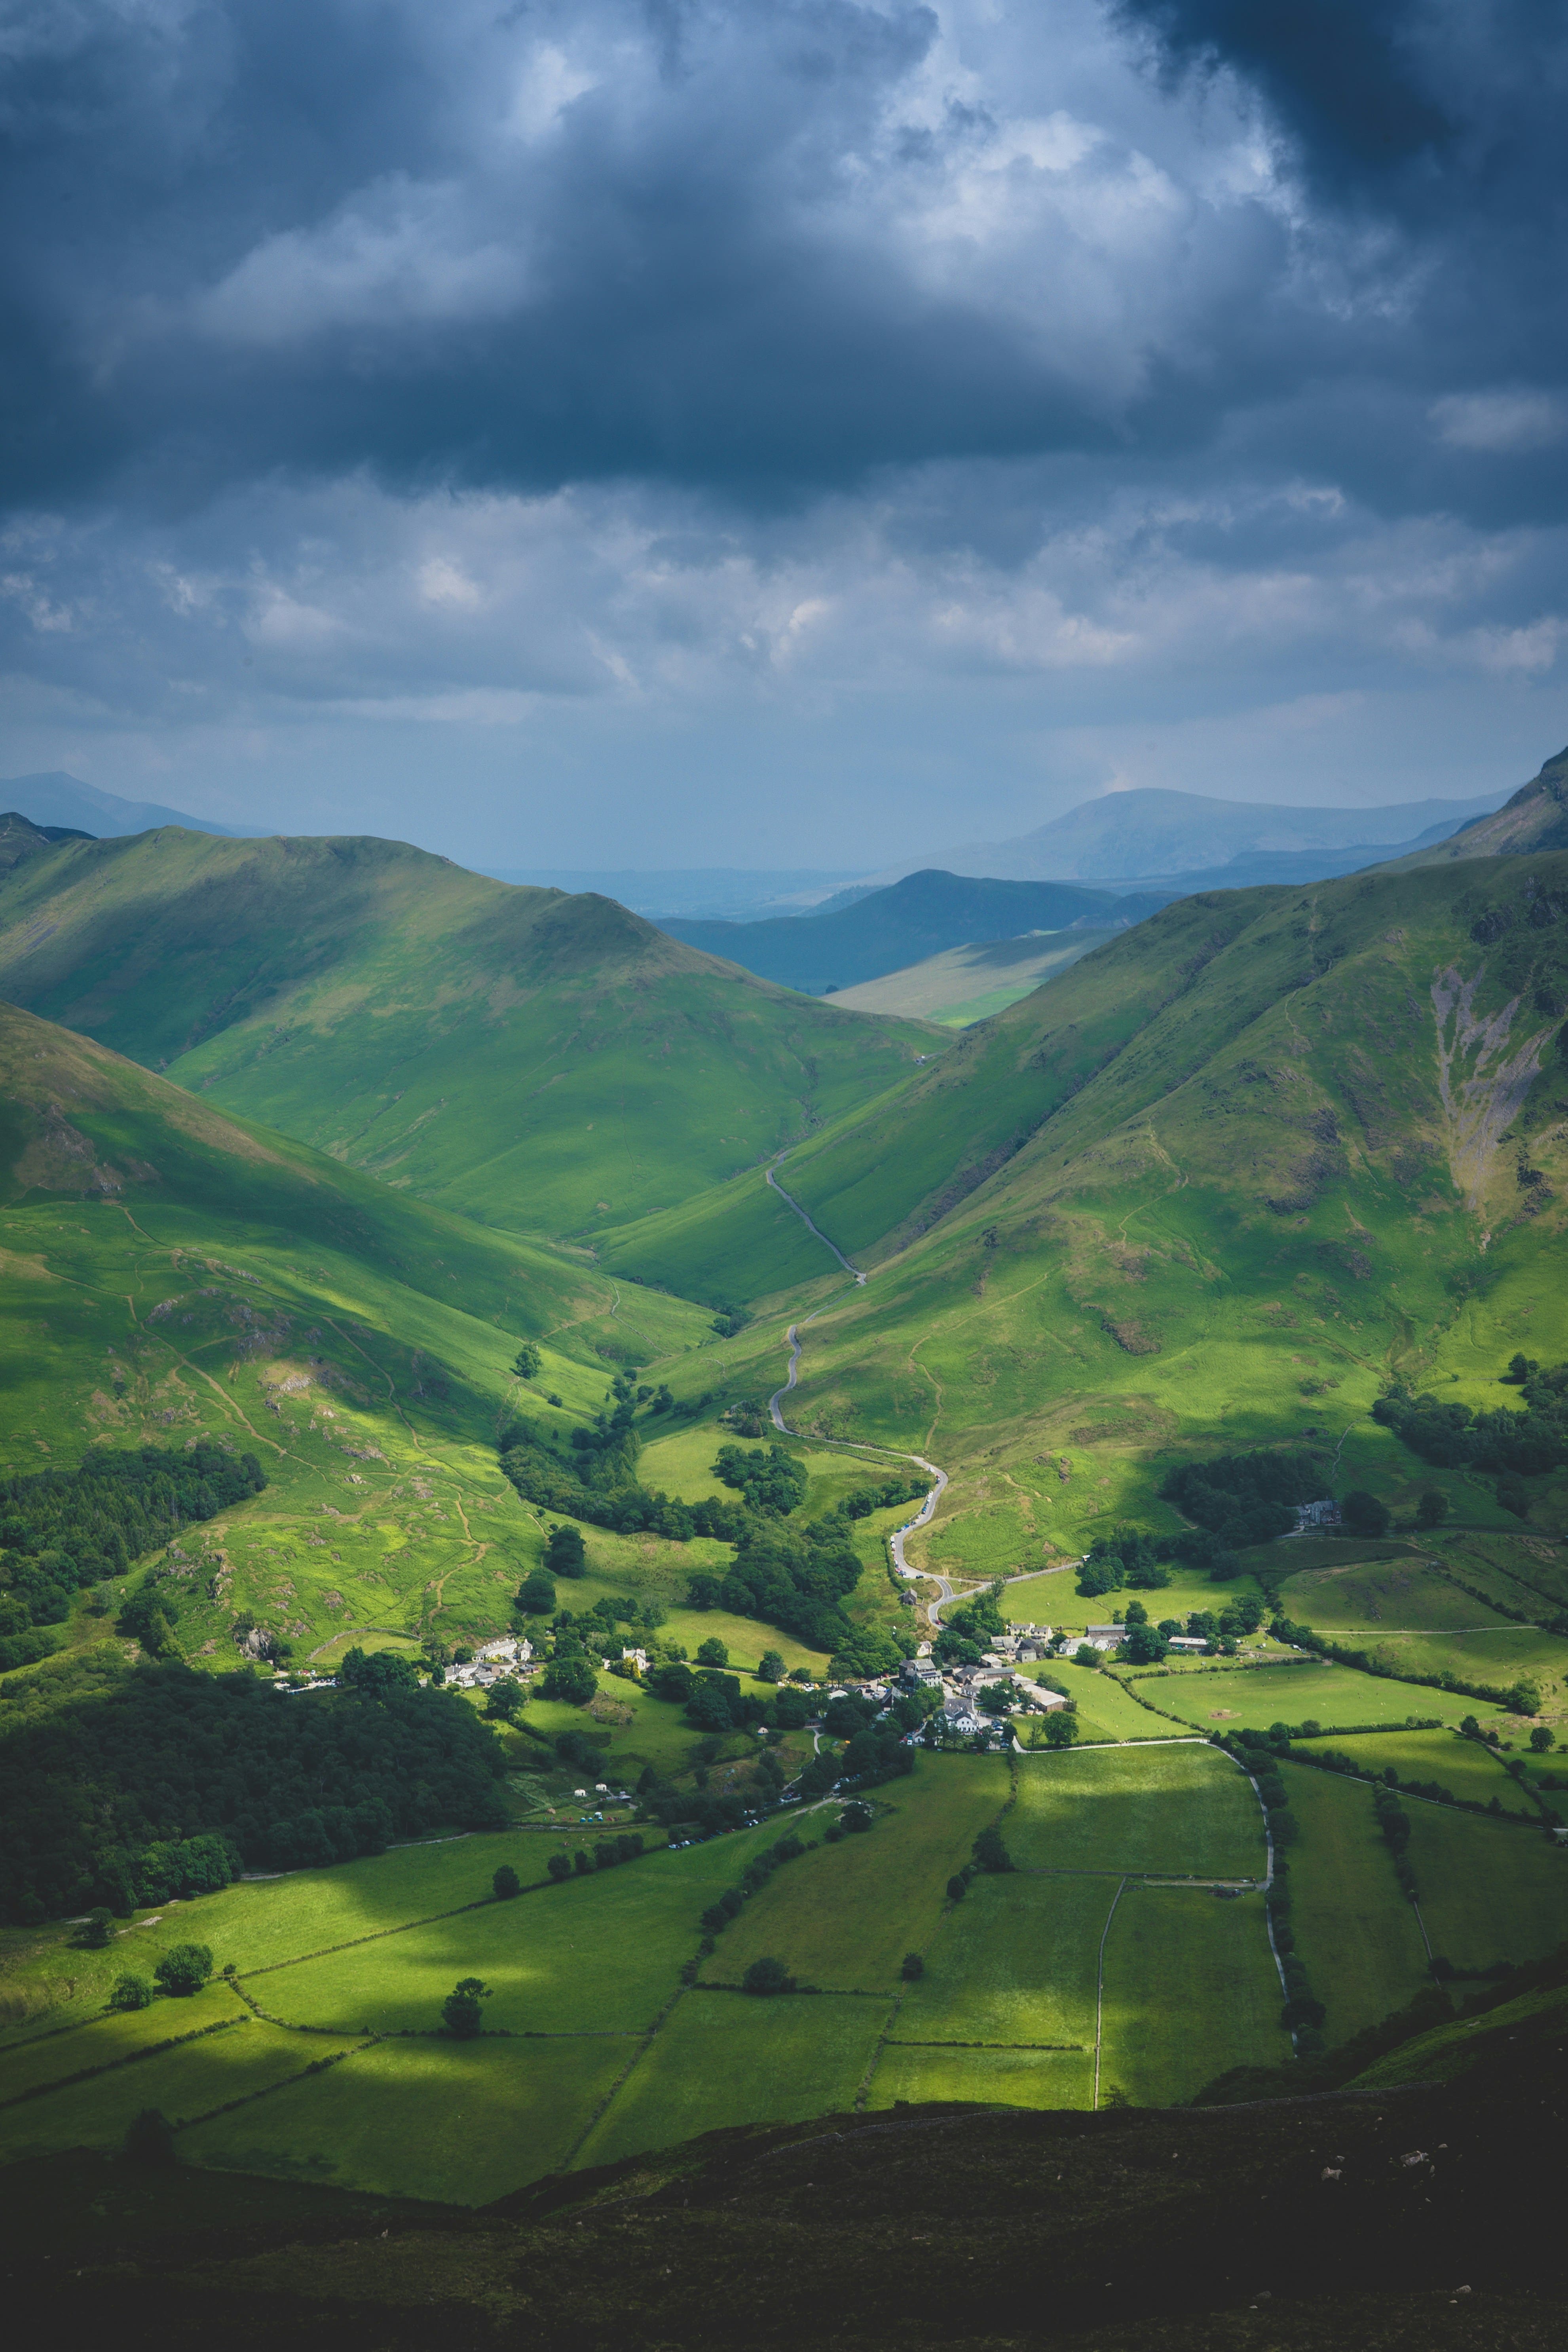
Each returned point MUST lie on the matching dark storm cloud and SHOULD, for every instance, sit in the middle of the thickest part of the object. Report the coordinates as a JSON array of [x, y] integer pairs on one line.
[[522, 248]]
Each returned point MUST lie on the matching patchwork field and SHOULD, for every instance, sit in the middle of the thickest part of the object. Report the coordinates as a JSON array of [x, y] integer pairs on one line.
[[463, 2122], [914, 2072], [1473, 1772], [1309, 1692], [1183, 1808], [1487, 1892], [1014, 1963], [847, 1915], [1181, 1953], [1354, 1930]]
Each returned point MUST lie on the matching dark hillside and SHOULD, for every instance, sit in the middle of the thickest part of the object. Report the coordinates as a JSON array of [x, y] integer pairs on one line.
[[1404, 2220], [921, 916]]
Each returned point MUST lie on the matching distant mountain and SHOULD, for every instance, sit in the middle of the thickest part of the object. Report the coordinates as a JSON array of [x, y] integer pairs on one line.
[[21, 838], [1153, 835], [1534, 819], [544, 1063], [731, 893], [923, 915], [57, 799]]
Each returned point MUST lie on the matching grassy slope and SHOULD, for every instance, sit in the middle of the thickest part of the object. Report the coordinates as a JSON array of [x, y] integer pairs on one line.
[[542, 1063], [1234, 1204], [970, 984], [166, 1271]]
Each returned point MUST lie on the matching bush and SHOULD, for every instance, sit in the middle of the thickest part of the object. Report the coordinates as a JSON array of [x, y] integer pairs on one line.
[[570, 1679], [913, 1968], [184, 1969], [771, 1666], [712, 1653], [506, 1883], [957, 1888], [99, 1924], [766, 1976], [536, 1594], [558, 1867], [130, 1992], [1364, 1514], [150, 2139]]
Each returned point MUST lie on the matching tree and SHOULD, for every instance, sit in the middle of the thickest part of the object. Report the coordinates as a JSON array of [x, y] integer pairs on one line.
[[571, 1679], [703, 1593], [130, 1992], [380, 1672], [566, 1553], [1061, 1728], [857, 1818], [766, 1976], [462, 2008], [1541, 1739], [957, 1888], [1522, 1698], [558, 1867], [184, 1969], [1431, 1508], [96, 1930], [769, 1666], [505, 1699], [913, 1968], [1363, 1514], [536, 1594], [150, 2139], [506, 1883], [712, 1653], [990, 1852], [527, 1361], [1086, 1654]]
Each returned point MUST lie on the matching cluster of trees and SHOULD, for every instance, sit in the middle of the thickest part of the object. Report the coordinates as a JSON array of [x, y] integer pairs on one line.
[[1239, 1499], [989, 1852], [607, 1852], [593, 1475], [1126, 1558], [774, 1482], [1513, 1446], [795, 1577], [124, 1786], [1146, 1644], [184, 1970], [63, 1530], [968, 1630], [874, 1749], [1521, 1697]]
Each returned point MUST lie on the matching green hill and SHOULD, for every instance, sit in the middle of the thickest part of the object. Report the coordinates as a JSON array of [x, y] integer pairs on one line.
[[544, 1063], [1209, 1188], [1534, 819], [170, 1274]]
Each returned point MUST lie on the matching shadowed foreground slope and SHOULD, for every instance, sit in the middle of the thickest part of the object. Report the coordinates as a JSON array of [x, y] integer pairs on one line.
[[1337, 2224]]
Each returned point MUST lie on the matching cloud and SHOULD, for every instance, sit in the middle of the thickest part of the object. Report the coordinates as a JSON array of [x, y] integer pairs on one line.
[[683, 364]]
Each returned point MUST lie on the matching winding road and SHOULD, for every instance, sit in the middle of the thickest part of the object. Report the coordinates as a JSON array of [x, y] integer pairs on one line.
[[927, 1511]]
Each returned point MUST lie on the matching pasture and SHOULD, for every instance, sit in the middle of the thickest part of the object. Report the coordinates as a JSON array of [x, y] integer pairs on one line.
[[239, 2061], [1013, 1964], [1307, 1691], [1472, 1771], [1183, 1809], [460, 2121], [845, 1916], [1355, 1932], [914, 2072], [1191, 1990], [1488, 1891], [722, 2059], [111, 2039]]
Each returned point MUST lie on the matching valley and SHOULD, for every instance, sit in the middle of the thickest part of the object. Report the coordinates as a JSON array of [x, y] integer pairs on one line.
[[296, 1170]]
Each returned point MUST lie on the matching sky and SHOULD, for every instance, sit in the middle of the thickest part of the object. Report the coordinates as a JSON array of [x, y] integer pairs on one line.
[[643, 433]]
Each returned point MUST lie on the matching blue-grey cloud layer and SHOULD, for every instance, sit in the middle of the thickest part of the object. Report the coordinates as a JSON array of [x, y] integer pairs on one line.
[[360, 358]]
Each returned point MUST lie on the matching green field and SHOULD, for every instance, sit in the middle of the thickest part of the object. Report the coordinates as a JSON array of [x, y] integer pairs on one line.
[[1191, 1990], [1185, 1810], [1105, 1710], [1473, 1772], [237, 2063], [845, 1914], [1354, 1930], [599, 1955], [462, 2122], [1313, 1691], [1381, 1598], [1013, 1963], [915, 2071], [721, 2059], [1487, 1892], [109, 2040]]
